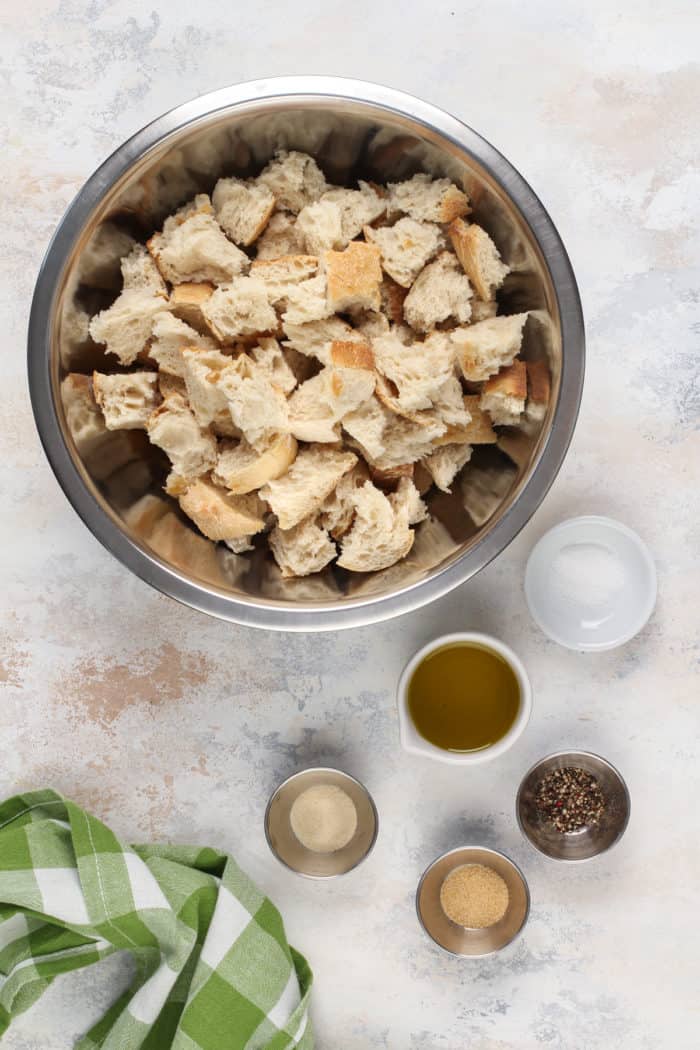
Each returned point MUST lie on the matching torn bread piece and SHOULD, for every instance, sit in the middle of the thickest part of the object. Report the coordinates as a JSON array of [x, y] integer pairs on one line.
[[347, 353], [125, 326], [280, 237], [258, 408], [279, 274], [307, 302], [127, 401], [538, 390], [356, 208], [294, 178], [338, 509], [190, 447], [479, 256], [141, 273], [309, 481], [387, 440], [440, 292], [484, 348], [407, 499], [389, 477], [186, 301], [271, 360], [219, 515], [406, 247], [239, 308], [242, 209], [417, 371], [201, 371], [380, 534], [428, 200], [240, 468], [321, 225], [478, 431], [445, 463], [315, 339], [354, 277], [504, 394], [303, 549], [318, 405], [169, 338], [193, 247], [393, 298]]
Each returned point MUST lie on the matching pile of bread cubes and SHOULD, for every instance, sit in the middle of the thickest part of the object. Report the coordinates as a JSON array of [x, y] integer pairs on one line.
[[312, 359]]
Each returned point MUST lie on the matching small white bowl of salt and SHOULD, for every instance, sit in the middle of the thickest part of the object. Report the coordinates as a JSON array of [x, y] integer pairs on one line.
[[590, 584]]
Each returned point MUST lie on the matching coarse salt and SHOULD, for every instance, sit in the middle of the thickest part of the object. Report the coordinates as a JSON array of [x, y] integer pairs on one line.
[[587, 573]]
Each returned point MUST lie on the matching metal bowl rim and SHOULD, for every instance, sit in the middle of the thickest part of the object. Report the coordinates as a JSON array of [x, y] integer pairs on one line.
[[586, 754], [295, 776], [353, 612], [482, 849]]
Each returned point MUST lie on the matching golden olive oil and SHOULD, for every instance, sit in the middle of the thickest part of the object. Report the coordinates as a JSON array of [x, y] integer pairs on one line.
[[463, 697]]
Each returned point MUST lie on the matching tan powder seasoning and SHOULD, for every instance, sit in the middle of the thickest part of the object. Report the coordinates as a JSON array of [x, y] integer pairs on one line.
[[323, 818], [474, 896]]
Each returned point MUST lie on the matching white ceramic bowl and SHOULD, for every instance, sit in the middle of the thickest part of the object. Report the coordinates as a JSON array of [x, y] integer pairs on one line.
[[604, 613], [411, 739]]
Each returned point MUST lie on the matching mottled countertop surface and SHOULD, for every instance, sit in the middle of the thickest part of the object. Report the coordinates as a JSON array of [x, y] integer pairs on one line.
[[171, 725]]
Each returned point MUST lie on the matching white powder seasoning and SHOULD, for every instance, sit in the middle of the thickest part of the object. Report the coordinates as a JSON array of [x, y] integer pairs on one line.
[[323, 818], [588, 574]]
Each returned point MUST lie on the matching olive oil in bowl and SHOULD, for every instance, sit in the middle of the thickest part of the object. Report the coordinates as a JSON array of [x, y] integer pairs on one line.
[[463, 697]]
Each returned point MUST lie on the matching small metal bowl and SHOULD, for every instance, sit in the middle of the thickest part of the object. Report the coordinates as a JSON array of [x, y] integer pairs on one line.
[[460, 940], [287, 847], [577, 845]]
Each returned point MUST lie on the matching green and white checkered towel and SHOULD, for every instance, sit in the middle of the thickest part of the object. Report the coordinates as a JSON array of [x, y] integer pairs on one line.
[[214, 970]]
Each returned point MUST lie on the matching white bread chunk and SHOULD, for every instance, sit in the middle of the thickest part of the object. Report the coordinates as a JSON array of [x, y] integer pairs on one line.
[[127, 401], [294, 178], [356, 208], [202, 370], [270, 359], [303, 549], [321, 225], [407, 498], [141, 273], [387, 440], [338, 509], [482, 349], [219, 515], [483, 309], [103, 255], [193, 247], [84, 419], [449, 405], [279, 274], [380, 533], [417, 371], [240, 468], [186, 301], [427, 200], [503, 395], [239, 308], [307, 302], [393, 298], [477, 431], [318, 405], [445, 463], [125, 327], [170, 337], [479, 256], [354, 277], [309, 481], [315, 339], [191, 448], [280, 237], [258, 408], [406, 247], [242, 209], [440, 292]]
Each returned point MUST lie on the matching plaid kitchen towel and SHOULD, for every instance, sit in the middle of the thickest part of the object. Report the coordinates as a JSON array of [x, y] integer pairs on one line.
[[213, 967]]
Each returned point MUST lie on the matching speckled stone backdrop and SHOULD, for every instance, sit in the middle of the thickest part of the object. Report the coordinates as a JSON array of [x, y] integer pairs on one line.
[[169, 724]]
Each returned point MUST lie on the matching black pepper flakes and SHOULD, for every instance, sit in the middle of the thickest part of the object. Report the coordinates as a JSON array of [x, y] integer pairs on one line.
[[570, 799]]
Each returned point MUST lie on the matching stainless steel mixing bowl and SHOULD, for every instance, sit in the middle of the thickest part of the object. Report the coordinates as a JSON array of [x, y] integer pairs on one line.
[[114, 480]]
